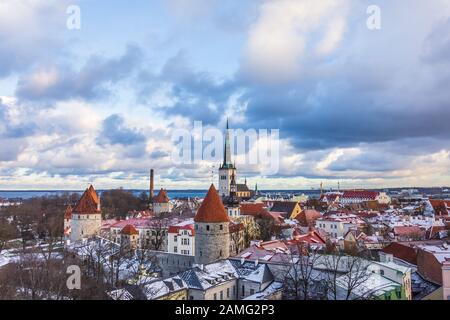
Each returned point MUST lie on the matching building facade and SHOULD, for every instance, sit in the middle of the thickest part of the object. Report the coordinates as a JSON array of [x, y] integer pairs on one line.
[[86, 218]]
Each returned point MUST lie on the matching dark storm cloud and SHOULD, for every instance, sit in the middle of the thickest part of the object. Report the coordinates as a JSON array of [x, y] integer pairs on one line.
[[197, 95], [115, 131], [89, 83]]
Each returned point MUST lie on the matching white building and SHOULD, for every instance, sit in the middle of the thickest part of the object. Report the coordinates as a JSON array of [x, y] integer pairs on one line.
[[181, 238], [337, 226], [86, 219]]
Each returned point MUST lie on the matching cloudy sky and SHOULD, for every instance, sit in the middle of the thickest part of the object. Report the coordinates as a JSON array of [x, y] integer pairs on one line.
[[368, 108]]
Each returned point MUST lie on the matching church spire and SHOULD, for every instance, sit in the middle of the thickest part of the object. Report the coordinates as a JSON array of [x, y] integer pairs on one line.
[[227, 149]]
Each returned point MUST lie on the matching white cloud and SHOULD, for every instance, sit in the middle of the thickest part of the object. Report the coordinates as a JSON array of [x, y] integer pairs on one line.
[[278, 41]]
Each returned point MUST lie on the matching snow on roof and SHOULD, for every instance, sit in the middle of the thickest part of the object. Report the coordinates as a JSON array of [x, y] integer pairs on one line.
[[225, 270], [391, 265], [266, 293], [373, 285]]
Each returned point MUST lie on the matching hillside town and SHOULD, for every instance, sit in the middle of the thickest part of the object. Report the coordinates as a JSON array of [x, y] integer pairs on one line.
[[234, 244]]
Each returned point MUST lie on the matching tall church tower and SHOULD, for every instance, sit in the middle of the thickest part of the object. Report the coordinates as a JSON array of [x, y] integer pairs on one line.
[[212, 230], [227, 169]]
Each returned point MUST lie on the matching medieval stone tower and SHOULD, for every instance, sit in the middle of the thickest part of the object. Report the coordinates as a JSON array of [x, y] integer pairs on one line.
[[212, 230], [86, 220]]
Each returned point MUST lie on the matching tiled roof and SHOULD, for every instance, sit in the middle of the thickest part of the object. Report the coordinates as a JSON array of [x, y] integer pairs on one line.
[[407, 230], [360, 194], [88, 203], [401, 251], [212, 209], [307, 217], [68, 212], [162, 197], [252, 209], [242, 187], [441, 207], [284, 206], [129, 230], [185, 225]]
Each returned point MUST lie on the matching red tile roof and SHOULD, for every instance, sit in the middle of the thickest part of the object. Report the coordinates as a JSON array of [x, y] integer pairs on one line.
[[308, 217], [407, 230], [176, 228], [360, 194], [129, 230], [401, 251], [212, 209], [252, 209], [88, 203], [68, 212], [312, 237], [162, 197], [441, 207]]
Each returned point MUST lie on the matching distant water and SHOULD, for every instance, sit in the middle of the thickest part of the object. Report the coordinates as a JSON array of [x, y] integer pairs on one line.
[[173, 194]]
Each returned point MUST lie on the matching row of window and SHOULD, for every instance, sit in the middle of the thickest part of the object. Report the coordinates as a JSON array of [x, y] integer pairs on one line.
[[184, 252], [207, 227], [323, 225]]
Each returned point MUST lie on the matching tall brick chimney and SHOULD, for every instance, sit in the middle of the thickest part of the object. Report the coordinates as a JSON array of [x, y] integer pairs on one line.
[[152, 186]]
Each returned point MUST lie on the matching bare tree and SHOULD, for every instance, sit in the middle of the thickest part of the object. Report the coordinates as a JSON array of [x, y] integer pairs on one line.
[[344, 275], [301, 280], [7, 232]]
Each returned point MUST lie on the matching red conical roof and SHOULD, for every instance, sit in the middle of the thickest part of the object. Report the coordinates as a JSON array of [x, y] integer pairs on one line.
[[162, 197], [68, 212], [88, 203], [129, 230], [212, 209]]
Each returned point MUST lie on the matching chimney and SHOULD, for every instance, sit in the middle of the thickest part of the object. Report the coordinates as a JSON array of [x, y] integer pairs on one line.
[[151, 185]]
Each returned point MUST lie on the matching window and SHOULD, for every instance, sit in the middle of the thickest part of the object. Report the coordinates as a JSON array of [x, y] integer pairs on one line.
[[252, 292], [175, 249], [220, 253], [207, 228], [221, 227], [243, 291], [215, 296], [221, 295], [382, 272], [201, 253], [175, 238], [228, 292]]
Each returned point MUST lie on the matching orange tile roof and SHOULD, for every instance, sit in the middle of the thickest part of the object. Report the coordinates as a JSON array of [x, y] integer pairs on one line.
[[94, 194], [162, 197], [68, 212], [88, 203], [252, 208], [212, 209], [129, 230], [307, 217]]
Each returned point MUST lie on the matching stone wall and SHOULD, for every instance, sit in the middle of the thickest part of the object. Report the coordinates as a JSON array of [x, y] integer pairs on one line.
[[212, 242]]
